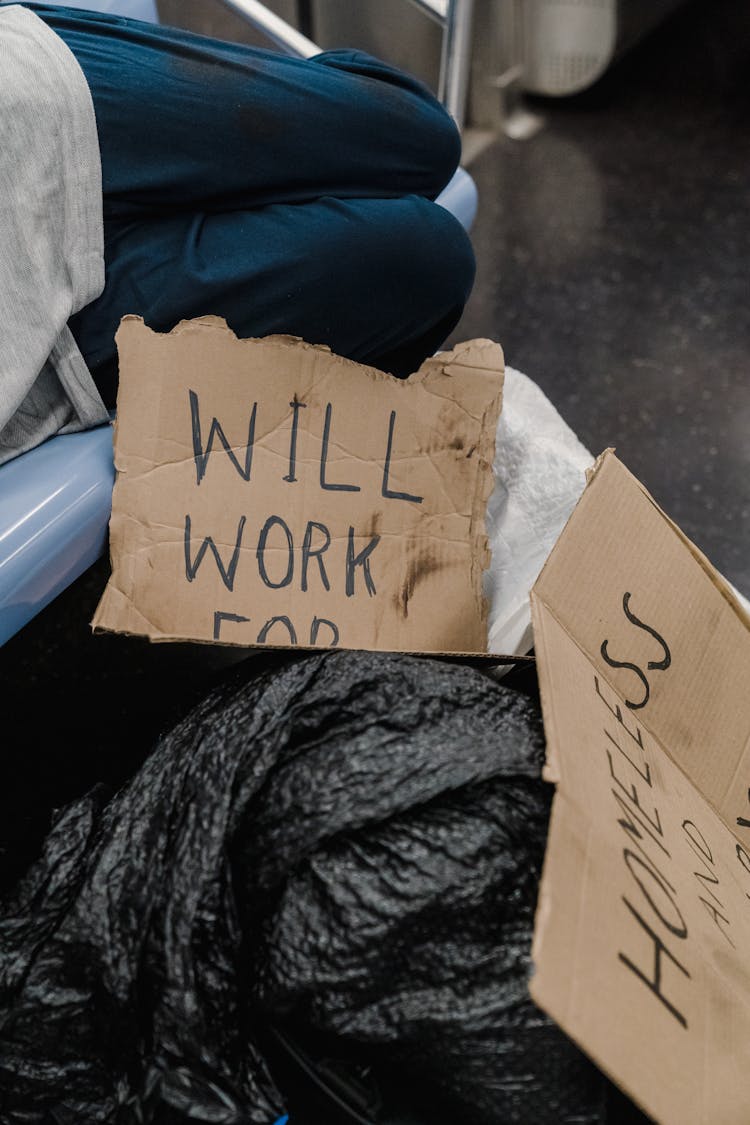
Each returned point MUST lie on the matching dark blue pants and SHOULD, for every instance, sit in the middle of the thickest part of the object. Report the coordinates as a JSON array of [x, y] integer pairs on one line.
[[284, 195]]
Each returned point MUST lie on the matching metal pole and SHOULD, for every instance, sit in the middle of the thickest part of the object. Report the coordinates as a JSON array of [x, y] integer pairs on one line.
[[455, 65], [438, 9], [281, 33]]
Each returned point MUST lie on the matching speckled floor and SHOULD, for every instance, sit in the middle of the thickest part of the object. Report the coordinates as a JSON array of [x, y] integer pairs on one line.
[[613, 255], [614, 267]]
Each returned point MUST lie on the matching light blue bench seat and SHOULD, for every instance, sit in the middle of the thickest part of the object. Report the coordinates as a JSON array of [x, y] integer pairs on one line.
[[55, 503]]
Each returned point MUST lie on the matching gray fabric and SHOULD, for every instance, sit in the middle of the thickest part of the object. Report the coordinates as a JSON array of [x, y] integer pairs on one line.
[[51, 234]]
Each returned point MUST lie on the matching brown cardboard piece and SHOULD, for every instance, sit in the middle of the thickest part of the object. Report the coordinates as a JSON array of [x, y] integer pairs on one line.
[[642, 942], [270, 492]]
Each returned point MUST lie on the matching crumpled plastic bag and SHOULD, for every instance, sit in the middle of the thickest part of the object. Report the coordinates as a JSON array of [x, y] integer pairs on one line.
[[540, 472], [349, 845]]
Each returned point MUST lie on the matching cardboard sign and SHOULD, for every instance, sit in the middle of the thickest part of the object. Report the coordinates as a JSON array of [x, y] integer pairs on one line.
[[642, 943], [271, 493]]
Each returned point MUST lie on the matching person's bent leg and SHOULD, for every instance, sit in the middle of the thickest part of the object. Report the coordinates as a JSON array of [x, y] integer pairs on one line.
[[381, 281], [191, 123]]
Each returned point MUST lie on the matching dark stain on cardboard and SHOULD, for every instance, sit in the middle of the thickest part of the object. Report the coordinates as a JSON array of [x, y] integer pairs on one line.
[[373, 525], [444, 423], [426, 563]]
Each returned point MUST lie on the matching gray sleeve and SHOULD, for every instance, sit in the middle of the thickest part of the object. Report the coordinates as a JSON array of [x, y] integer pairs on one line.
[[51, 234]]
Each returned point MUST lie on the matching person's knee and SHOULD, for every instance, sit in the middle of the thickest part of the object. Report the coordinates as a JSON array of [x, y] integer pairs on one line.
[[419, 267], [445, 143], [414, 261], [402, 116], [437, 257]]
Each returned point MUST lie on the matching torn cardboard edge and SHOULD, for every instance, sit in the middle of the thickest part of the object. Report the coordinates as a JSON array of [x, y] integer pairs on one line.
[[643, 914], [403, 467]]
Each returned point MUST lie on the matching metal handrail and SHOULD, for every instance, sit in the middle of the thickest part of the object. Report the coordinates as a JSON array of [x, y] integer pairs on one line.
[[438, 9], [281, 33], [455, 63], [455, 17]]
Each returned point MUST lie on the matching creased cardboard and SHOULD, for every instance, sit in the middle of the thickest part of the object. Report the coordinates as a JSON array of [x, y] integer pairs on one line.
[[642, 939], [271, 493]]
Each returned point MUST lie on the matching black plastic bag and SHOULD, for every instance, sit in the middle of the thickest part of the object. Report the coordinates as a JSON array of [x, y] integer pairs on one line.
[[349, 846]]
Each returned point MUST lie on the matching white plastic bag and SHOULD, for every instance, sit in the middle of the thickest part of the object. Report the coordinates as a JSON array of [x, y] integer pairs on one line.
[[540, 472]]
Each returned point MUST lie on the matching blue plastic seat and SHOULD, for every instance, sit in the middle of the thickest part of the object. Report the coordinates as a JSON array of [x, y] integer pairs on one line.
[[55, 503]]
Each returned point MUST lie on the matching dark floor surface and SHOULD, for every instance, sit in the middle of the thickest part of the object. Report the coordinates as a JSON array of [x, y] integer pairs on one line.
[[614, 267], [613, 254]]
